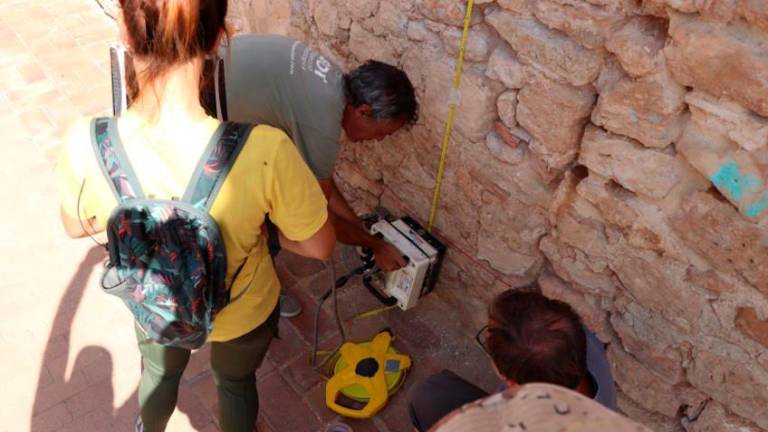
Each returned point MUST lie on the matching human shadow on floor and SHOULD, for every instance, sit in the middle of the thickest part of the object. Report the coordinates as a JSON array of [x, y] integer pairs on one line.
[[88, 394]]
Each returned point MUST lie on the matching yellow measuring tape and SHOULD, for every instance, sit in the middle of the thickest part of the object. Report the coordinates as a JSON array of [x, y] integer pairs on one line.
[[454, 101]]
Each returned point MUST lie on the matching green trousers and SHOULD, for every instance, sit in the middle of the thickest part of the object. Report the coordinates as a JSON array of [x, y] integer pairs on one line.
[[233, 363]]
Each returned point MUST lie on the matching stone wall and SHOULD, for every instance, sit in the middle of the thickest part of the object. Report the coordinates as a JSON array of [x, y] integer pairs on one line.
[[615, 150]]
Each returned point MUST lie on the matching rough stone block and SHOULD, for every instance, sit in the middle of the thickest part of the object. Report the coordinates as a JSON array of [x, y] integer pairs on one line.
[[749, 323], [262, 16], [755, 12], [641, 170], [555, 115], [360, 191], [713, 10], [492, 180], [457, 274], [710, 280], [646, 388], [729, 242], [747, 129], [519, 7], [504, 66], [390, 19], [450, 12], [724, 60], [326, 15], [548, 50], [588, 22], [418, 31], [573, 265], [361, 9], [642, 274], [507, 105], [643, 222], [655, 8], [647, 109], [715, 418], [653, 420], [638, 45], [412, 183], [481, 40], [663, 360], [514, 137], [739, 386], [508, 240], [736, 173], [503, 151], [433, 74], [365, 45]]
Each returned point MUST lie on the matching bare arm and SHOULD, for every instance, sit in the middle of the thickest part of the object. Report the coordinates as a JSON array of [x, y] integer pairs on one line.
[[320, 246], [350, 230]]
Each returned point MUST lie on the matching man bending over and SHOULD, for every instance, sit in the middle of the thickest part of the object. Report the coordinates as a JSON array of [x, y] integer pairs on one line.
[[279, 81]]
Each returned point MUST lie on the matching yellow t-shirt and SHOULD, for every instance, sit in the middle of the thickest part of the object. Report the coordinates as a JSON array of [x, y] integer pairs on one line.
[[269, 176]]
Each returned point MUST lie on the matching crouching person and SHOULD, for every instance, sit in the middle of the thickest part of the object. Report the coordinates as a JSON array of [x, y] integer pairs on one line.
[[530, 339]]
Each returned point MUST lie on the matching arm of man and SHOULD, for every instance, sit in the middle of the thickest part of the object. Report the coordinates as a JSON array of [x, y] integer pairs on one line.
[[350, 230]]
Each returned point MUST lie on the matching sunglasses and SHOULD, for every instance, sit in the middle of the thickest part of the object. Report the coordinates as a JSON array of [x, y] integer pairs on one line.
[[482, 339]]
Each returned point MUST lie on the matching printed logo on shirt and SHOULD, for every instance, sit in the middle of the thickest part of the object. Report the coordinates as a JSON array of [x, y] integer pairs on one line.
[[310, 61]]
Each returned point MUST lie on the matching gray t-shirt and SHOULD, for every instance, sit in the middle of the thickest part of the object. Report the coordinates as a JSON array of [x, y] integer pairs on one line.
[[600, 372], [280, 82]]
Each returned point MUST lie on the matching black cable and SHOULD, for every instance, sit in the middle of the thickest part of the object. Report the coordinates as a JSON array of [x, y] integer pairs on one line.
[[79, 219], [335, 284], [109, 10]]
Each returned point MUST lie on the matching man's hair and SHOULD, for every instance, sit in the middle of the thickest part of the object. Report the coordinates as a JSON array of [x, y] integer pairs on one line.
[[532, 338], [385, 88]]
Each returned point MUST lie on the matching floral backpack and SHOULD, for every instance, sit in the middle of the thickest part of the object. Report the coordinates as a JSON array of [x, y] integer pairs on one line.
[[167, 259]]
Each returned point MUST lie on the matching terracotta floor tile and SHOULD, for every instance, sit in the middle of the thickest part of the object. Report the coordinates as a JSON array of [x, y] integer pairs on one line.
[[59, 391], [285, 409], [52, 419], [36, 120]]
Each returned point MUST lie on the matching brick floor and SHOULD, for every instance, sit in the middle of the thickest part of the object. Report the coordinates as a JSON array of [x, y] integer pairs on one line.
[[69, 360]]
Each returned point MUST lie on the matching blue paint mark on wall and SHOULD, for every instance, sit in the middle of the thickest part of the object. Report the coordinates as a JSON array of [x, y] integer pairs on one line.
[[753, 210], [729, 178]]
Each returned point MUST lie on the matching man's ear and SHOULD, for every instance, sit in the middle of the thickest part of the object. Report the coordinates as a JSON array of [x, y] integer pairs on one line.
[[363, 110]]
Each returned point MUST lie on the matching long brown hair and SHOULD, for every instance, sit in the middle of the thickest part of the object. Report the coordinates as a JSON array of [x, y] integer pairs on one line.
[[164, 33]]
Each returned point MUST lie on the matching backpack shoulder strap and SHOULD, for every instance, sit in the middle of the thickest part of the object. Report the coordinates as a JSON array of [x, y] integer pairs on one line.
[[113, 160], [215, 163]]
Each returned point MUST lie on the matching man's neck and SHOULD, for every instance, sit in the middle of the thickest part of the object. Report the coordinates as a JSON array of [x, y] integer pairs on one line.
[[585, 387]]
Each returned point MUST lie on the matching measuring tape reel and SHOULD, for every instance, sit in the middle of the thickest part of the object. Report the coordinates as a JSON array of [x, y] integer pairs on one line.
[[368, 373]]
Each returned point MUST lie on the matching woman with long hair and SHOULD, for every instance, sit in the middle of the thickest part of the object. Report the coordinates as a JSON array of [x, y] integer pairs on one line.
[[164, 134]]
